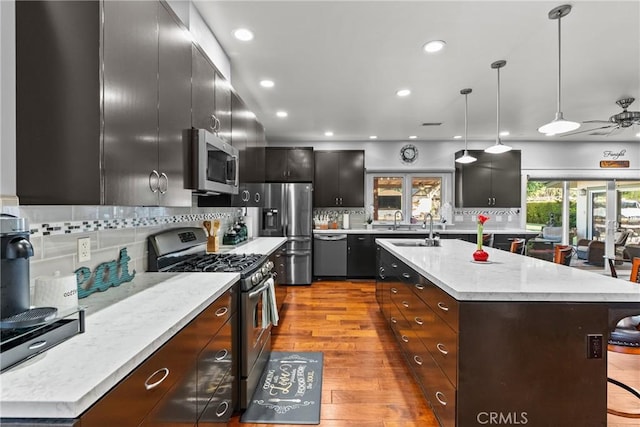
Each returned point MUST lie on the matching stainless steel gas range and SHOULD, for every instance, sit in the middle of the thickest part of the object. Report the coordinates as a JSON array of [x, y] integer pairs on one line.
[[184, 250]]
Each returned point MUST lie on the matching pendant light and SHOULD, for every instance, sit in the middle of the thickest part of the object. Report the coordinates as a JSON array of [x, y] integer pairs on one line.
[[466, 157], [498, 147], [559, 124]]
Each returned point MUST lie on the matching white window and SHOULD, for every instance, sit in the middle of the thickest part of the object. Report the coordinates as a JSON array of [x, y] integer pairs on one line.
[[413, 194]]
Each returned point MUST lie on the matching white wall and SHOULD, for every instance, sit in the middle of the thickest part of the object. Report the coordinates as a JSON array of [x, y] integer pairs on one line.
[[540, 159], [7, 104]]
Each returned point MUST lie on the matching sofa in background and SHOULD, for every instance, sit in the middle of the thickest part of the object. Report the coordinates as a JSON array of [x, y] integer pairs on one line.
[[592, 251]]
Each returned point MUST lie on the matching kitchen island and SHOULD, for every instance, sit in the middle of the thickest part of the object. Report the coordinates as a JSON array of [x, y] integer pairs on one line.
[[513, 341]]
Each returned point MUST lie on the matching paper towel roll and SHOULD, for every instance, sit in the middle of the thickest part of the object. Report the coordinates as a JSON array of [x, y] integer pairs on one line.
[[56, 291], [345, 221]]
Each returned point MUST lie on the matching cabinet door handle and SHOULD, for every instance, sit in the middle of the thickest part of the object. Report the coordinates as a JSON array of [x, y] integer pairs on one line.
[[151, 386], [394, 265], [406, 275], [222, 408], [418, 360], [494, 201], [394, 291], [405, 304], [361, 238], [405, 338], [164, 189], [419, 320], [441, 398], [221, 311], [489, 201], [256, 198], [154, 176], [221, 354], [394, 320], [214, 123], [442, 306], [381, 273], [442, 349], [37, 344], [419, 287]]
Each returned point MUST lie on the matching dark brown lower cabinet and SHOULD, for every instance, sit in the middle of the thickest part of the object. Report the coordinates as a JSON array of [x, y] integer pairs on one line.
[[496, 362], [189, 381]]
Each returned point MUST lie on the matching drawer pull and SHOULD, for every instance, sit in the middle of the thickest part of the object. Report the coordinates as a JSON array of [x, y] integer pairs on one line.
[[394, 291], [406, 275], [222, 408], [442, 399], [442, 349], [419, 287], [418, 360], [157, 383], [394, 265], [221, 354], [419, 320], [442, 306], [405, 338], [394, 320], [405, 304], [221, 311], [37, 345]]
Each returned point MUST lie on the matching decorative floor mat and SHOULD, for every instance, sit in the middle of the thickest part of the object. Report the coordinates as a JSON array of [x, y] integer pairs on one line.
[[289, 391]]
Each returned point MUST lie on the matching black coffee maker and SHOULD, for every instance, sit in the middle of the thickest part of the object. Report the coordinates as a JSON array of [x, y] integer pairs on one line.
[[15, 300]]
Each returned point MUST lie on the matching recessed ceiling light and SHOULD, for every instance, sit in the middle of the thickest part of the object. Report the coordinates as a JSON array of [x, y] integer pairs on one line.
[[434, 46], [638, 134], [267, 83], [328, 133], [373, 137], [282, 114], [504, 133], [243, 34], [457, 137], [412, 137], [403, 92]]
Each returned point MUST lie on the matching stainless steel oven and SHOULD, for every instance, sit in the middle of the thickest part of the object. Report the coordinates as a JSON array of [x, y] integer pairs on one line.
[[183, 250]]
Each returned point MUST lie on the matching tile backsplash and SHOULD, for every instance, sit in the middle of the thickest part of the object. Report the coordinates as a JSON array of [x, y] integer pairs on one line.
[[55, 231]]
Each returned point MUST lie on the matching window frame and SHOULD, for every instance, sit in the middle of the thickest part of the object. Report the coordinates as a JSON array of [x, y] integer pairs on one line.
[[446, 189]]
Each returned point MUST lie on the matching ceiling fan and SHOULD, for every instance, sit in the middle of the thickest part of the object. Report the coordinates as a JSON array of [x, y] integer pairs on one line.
[[618, 121]]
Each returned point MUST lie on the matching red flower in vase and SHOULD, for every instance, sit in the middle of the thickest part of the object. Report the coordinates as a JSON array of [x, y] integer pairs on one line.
[[482, 219]]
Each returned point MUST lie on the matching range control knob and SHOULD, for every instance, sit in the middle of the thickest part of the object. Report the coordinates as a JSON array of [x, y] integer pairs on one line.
[[265, 270], [269, 265], [256, 278]]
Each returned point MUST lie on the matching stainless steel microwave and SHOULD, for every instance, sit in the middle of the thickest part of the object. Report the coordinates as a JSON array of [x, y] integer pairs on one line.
[[214, 163]]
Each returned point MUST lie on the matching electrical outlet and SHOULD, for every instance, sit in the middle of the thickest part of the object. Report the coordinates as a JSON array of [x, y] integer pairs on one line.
[[84, 249]]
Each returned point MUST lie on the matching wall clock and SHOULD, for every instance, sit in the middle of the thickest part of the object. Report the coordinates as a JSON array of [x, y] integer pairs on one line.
[[408, 153]]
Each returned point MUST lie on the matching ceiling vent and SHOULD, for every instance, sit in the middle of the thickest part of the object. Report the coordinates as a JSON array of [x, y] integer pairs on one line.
[[431, 123]]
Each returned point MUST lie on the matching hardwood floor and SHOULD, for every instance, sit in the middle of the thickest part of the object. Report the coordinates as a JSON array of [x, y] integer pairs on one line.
[[365, 380]]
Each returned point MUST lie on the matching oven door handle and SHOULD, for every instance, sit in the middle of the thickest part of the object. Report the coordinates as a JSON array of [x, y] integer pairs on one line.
[[257, 292]]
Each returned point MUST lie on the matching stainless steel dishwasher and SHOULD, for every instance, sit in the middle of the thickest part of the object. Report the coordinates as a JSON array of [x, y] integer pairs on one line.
[[329, 255]]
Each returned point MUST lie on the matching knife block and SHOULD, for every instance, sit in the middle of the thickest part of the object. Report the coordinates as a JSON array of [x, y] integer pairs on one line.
[[213, 244]]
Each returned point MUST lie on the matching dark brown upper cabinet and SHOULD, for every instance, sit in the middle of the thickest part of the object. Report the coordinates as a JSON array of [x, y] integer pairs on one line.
[[289, 164], [339, 179], [103, 95], [494, 180], [211, 97]]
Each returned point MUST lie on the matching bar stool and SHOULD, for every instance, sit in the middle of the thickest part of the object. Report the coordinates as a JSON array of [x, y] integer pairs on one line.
[[517, 246], [626, 339], [562, 254]]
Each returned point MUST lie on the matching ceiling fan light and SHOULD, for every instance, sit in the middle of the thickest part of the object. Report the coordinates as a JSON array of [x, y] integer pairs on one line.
[[498, 148], [466, 158]]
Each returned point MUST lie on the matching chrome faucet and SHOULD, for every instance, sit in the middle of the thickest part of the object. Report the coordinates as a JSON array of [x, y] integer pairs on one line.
[[395, 219], [430, 241]]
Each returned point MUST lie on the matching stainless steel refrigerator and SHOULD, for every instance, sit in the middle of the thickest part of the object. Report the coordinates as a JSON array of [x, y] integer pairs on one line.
[[287, 211]]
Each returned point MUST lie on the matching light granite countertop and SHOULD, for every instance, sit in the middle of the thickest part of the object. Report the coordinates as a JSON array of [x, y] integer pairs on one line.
[[508, 276], [124, 326]]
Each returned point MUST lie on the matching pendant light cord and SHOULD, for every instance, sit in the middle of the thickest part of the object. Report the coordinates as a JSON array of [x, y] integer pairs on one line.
[[466, 126], [498, 110], [559, 62]]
